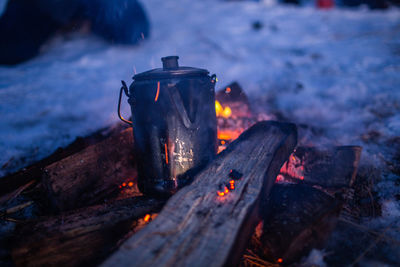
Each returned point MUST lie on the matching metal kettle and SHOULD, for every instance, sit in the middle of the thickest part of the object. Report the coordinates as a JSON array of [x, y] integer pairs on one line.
[[174, 124]]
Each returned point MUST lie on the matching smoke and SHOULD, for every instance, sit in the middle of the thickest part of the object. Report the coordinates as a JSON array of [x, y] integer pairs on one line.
[[315, 258]]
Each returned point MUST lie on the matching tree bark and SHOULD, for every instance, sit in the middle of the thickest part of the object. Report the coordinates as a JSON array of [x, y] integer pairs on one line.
[[197, 227]]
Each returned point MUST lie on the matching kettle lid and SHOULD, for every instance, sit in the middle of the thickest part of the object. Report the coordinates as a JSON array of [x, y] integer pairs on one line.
[[170, 69]]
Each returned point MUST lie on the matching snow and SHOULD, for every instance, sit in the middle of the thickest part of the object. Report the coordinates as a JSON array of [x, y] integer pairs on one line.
[[340, 57], [336, 70]]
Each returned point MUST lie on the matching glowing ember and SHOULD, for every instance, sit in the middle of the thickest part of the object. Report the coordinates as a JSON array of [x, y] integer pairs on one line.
[[158, 92], [228, 90], [128, 184], [280, 178], [228, 135], [291, 169], [147, 217], [280, 260], [223, 192], [232, 184]]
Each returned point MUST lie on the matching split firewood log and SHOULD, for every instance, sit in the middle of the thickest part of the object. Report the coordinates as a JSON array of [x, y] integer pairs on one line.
[[18, 179], [301, 214], [82, 237], [205, 223], [88, 177], [297, 218]]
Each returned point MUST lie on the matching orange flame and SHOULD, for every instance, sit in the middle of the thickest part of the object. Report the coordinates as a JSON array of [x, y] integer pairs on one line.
[[280, 260], [227, 112], [158, 92], [222, 112], [147, 217], [218, 108]]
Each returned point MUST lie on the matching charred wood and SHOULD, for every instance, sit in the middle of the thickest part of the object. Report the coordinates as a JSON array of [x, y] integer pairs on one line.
[[330, 168], [81, 237]]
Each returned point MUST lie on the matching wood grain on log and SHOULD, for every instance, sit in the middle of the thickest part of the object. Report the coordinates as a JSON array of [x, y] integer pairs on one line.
[[35, 171], [297, 219], [199, 228], [87, 177], [81, 237]]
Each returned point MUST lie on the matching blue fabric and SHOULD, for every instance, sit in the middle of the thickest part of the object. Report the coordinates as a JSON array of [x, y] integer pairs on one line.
[[120, 21], [26, 24]]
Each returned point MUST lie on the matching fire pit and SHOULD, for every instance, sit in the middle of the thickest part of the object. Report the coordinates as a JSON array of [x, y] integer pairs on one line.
[[261, 201]]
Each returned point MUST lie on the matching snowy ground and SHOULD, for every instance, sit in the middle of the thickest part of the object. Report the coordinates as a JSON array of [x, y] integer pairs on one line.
[[337, 70]]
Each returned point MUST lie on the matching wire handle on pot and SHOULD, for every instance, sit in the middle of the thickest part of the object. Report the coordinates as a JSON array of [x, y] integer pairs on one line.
[[214, 78], [125, 89]]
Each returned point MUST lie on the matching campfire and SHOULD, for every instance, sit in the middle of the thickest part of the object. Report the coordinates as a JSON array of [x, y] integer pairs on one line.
[[262, 201]]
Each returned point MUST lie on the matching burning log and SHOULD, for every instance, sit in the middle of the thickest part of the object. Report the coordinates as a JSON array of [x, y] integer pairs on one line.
[[336, 167], [81, 237], [203, 226], [88, 177], [297, 219], [305, 205]]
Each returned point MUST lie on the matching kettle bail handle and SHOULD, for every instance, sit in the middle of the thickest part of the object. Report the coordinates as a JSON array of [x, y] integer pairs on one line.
[[125, 89], [214, 78]]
